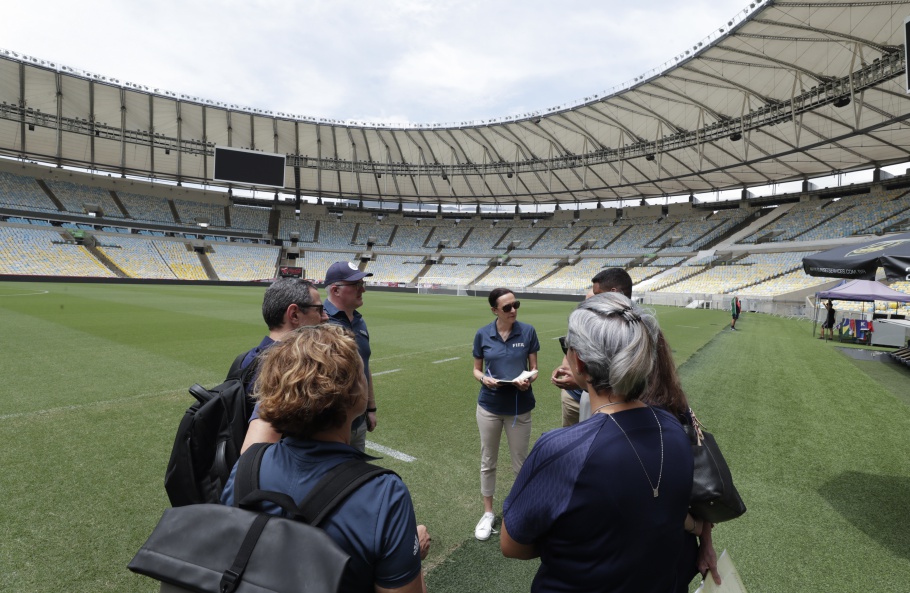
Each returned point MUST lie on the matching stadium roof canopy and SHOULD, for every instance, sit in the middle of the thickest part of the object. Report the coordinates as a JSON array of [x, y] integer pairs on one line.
[[787, 91]]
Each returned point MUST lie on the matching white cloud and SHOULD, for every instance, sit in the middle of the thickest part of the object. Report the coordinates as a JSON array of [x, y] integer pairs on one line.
[[391, 60]]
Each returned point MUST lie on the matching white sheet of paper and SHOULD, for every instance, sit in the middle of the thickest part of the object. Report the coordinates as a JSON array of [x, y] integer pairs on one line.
[[729, 578], [525, 375]]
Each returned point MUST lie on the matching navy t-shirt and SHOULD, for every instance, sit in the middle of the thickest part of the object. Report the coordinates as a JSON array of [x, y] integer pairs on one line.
[[505, 359], [584, 500], [375, 525]]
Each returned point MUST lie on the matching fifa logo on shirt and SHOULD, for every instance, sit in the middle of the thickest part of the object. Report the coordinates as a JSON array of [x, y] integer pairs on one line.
[[518, 345]]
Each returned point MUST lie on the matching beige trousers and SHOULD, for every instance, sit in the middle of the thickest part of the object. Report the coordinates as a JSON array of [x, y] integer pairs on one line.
[[569, 409], [519, 437]]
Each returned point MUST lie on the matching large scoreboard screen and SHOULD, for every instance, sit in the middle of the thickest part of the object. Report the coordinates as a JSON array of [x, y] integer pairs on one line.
[[250, 167], [288, 272]]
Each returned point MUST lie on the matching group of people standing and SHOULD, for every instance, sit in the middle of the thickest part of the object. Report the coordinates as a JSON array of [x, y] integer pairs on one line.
[[602, 501]]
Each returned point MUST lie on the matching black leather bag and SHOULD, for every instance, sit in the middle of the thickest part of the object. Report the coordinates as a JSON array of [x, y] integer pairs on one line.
[[714, 497]]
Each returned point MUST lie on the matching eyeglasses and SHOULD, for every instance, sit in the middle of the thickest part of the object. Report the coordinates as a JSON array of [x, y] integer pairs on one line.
[[513, 305], [320, 308], [563, 345], [360, 284]]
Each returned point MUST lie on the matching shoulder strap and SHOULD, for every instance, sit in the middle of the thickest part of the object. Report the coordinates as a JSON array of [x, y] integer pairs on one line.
[[235, 366], [247, 478], [335, 487]]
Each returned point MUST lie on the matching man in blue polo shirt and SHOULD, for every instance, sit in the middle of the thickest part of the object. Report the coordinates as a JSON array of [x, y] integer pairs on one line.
[[344, 295], [288, 303], [344, 288]]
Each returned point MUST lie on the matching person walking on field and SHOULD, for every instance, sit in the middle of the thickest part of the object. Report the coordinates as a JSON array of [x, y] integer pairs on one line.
[[735, 308]]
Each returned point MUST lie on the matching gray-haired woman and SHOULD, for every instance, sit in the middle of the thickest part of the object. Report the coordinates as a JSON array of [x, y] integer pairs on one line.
[[602, 503]]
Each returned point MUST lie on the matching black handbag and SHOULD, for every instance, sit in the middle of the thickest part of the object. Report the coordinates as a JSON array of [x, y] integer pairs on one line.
[[714, 497], [212, 548]]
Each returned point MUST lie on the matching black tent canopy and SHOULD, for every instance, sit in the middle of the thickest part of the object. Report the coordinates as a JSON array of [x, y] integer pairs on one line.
[[863, 260]]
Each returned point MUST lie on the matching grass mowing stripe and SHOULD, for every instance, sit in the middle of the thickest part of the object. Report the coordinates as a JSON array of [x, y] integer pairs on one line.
[[808, 438]]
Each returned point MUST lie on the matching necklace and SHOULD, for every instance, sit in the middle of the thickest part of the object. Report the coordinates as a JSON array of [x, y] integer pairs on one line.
[[660, 430], [599, 408]]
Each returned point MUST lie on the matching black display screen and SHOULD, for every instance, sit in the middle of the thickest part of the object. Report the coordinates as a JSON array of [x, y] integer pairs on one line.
[[249, 167]]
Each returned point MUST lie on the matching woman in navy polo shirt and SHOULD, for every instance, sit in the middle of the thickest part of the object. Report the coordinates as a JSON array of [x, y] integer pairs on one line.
[[507, 349]]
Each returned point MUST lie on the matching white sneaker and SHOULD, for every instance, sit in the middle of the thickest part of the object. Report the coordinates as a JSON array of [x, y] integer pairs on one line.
[[484, 527]]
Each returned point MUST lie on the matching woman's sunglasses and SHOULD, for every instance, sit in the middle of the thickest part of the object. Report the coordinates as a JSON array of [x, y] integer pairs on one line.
[[513, 305]]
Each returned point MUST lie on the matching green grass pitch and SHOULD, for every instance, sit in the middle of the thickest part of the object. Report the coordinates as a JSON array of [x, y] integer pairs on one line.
[[95, 381]]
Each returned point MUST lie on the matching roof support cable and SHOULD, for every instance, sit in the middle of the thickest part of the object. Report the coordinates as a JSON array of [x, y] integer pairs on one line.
[[700, 138], [857, 104], [797, 118], [549, 169], [742, 130]]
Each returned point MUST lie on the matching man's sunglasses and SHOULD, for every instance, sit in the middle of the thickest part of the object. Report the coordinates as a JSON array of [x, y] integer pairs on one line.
[[562, 344], [513, 305], [320, 308]]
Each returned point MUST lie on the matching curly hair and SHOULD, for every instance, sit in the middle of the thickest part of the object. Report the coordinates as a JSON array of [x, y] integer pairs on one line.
[[310, 380]]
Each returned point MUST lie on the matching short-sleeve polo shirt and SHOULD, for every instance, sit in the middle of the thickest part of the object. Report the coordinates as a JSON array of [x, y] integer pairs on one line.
[[505, 359], [358, 327], [361, 335], [375, 525]]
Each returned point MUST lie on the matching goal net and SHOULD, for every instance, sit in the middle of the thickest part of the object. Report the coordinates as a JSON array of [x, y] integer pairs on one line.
[[441, 285]]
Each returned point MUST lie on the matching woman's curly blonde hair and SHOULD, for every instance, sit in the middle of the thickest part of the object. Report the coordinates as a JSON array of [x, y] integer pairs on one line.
[[310, 380]]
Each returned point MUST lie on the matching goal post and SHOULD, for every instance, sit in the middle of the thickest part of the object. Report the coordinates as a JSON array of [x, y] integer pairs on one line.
[[441, 285], [432, 284]]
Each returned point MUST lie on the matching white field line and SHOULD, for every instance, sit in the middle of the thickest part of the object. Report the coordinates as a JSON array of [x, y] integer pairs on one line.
[[390, 452], [26, 293], [446, 360], [689, 326], [77, 407], [385, 372]]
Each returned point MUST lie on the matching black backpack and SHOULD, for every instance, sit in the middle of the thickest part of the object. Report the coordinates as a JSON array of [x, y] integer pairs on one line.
[[211, 547], [209, 438]]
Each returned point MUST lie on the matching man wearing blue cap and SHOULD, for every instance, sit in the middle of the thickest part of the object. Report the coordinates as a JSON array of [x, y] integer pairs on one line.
[[344, 288], [344, 295]]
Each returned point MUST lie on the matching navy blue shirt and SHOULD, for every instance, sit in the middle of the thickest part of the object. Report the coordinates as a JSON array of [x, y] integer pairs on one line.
[[505, 359], [359, 328], [262, 347], [575, 393], [585, 501], [375, 525]]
